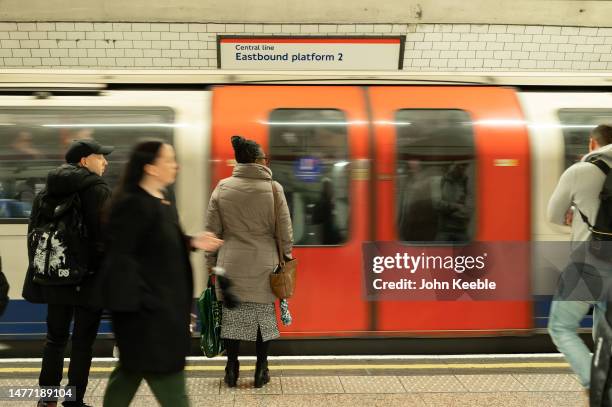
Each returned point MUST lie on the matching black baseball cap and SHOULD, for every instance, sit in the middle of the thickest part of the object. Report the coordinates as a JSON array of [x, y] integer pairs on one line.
[[82, 148]]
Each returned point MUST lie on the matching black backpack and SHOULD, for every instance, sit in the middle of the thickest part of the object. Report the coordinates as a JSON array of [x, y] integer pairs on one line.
[[601, 232], [57, 240]]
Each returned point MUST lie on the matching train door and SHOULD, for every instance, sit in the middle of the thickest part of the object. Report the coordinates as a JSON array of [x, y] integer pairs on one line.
[[34, 135], [317, 140], [452, 165]]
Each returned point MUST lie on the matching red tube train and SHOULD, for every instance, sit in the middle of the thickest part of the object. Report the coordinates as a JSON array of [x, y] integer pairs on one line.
[[362, 158]]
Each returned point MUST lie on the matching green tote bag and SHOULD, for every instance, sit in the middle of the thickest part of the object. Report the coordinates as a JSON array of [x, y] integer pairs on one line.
[[210, 321]]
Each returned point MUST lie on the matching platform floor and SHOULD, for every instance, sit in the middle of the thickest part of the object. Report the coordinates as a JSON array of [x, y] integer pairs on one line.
[[496, 380]]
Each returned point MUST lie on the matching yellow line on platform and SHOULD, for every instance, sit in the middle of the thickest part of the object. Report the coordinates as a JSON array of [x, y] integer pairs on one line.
[[416, 366], [431, 366]]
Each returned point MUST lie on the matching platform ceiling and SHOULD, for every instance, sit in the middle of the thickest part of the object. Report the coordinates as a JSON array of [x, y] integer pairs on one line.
[[536, 12]]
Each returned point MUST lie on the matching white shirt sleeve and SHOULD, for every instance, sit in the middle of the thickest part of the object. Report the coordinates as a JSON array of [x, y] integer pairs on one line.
[[562, 198]]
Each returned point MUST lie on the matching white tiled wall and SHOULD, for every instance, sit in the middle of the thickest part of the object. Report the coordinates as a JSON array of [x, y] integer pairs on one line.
[[429, 47]]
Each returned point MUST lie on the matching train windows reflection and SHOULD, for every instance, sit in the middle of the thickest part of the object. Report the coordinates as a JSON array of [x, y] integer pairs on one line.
[[577, 125], [435, 179], [309, 157], [34, 140]]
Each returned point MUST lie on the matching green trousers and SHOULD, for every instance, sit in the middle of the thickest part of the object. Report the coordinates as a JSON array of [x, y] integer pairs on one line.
[[169, 389]]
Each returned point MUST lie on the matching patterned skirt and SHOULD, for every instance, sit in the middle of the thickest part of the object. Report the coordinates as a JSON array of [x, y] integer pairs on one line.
[[242, 322]]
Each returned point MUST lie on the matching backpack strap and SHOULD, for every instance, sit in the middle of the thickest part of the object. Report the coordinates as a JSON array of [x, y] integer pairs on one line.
[[585, 219], [599, 163]]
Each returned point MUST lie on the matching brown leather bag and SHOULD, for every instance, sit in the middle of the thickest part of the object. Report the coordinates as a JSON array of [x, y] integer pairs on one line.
[[282, 280]]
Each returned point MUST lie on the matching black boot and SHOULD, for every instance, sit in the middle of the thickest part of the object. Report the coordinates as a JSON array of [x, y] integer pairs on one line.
[[232, 371], [262, 374]]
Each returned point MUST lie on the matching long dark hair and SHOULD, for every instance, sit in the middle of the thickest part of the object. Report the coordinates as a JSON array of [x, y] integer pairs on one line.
[[245, 151], [143, 153]]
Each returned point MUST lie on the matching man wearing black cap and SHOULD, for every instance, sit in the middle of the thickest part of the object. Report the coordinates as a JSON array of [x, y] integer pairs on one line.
[[82, 174]]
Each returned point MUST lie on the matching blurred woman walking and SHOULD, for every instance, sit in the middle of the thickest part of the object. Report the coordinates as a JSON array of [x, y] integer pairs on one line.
[[147, 280]]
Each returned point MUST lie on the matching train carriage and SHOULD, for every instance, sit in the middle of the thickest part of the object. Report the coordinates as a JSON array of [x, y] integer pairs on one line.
[[362, 158]]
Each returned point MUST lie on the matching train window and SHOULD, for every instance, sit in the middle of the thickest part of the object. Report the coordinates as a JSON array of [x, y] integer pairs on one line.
[[435, 176], [309, 157], [33, 141], [576, 125]]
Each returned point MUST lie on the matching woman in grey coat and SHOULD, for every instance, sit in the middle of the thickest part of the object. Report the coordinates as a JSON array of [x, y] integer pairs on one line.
[[241, 212]]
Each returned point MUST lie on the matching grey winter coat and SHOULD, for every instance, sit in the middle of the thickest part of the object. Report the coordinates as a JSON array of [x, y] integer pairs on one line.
[[241, 212]]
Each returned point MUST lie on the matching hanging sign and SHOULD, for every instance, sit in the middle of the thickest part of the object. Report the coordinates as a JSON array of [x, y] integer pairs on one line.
[[310, 53]]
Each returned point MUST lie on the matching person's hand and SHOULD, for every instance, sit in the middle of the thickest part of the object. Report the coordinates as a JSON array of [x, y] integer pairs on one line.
[[569, 217], [206, 241], [192, 322]]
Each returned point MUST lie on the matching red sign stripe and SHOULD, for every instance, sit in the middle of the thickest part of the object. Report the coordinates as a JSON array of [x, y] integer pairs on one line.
[[313, 40]]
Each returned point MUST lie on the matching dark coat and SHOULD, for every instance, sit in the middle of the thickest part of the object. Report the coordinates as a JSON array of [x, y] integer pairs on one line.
[[94, 193], [4, 289], [146, 281]]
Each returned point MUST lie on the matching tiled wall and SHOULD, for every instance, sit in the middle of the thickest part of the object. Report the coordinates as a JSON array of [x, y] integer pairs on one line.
[[429, 47]]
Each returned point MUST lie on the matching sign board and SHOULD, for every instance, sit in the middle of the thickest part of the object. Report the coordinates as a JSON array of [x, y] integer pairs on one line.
[[310, 53], [307, 169]]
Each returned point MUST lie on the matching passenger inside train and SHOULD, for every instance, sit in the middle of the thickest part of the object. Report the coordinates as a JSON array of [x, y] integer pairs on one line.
[[435, 175], [308, 161]]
